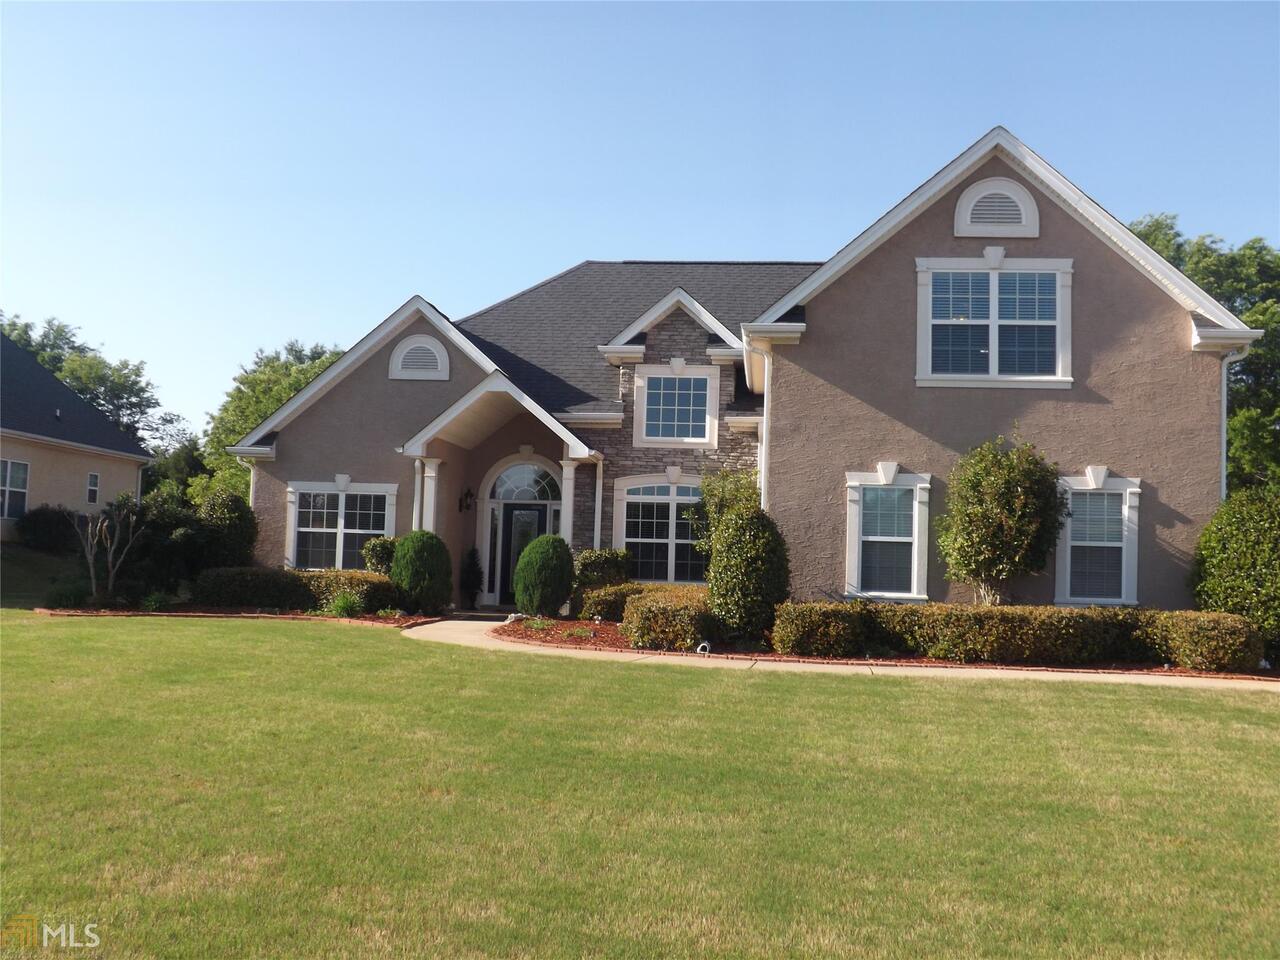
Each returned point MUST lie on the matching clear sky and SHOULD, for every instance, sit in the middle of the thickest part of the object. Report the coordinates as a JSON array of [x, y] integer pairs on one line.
[[188, 182]]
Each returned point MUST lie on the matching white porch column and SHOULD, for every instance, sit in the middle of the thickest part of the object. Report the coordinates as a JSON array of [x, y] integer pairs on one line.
[[430, 481], [566, 500], [599, 500], [417, 494]]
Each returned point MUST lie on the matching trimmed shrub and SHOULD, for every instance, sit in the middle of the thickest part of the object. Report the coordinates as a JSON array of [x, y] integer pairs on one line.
[[676, 618], [749, 572], [609, 603], [372, 591], [264, 588], [1025, 634], [231, 529], [69, 594], [48, 529], [423, 569], [378, 552], [723, 493], [600, 568], [344, 604], [1204, 641], [843, 630], [544, 576], [470, 578], [1237, 566]]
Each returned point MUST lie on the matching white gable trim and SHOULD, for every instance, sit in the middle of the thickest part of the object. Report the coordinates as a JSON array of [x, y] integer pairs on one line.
[[1065, 193], [496, 382], [415, 308], [665, 307]]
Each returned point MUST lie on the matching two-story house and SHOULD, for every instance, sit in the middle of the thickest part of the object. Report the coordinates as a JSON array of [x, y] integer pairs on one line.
[[996, 298]]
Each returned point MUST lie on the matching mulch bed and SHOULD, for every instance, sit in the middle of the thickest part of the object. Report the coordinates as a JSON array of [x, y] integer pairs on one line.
[[244, 613], [606, 636]]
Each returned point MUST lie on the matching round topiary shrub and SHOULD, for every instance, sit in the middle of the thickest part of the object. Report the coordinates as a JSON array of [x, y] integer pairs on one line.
[[231, 529], [544, 576], [378, 552], [749, 573], [423, 569], [1237, 565]]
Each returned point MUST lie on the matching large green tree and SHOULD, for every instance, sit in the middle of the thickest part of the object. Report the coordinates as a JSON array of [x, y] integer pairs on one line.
[[258, 390], [1246, 280]]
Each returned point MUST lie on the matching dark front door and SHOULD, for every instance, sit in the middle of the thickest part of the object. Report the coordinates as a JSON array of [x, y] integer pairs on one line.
[[520, 524]]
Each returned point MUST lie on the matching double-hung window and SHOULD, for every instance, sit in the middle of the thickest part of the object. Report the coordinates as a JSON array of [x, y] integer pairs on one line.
[[1097, 558], [653, 522], [887, 536], [330, 526], [994, 322], [13, 488], [676, 405], [91, 491]]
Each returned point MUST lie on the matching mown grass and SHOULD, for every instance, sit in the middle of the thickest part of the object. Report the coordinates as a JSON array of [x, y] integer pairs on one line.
[[250, 789]]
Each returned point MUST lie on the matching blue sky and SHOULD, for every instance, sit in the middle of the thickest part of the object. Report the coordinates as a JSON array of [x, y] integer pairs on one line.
[[189, 182]]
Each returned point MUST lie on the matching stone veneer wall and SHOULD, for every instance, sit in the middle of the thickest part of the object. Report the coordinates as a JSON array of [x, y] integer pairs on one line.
[[679, 335]]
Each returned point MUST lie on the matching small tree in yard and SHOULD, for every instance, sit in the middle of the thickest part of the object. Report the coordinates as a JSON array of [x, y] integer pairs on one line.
[[423, 569], [749, 573], [544, 576], [112, 533], [1004, 513]]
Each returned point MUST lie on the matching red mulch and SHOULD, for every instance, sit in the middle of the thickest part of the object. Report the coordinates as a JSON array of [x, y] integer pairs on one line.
[[244, 613], [606, 636]]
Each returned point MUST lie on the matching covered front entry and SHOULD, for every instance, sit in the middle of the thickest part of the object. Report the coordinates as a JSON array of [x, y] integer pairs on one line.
[[520, 500]]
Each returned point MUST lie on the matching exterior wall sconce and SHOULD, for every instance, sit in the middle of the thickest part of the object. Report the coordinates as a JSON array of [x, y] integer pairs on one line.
[[466, 501]]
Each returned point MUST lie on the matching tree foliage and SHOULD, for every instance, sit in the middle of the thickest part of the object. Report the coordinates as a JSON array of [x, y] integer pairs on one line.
[[258, 389], [722, 492], [1237, 565], [1245, 280], [1004, 513]]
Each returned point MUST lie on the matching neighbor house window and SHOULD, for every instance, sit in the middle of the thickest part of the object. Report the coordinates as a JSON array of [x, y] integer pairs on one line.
[[1008, 326], [91, 494], [676, 405], [13, 488], [331, 526], [886, 548], [654, 523], [1097, 559]]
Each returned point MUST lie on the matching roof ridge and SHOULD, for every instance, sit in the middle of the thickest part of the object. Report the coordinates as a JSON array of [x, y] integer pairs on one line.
[[521, 293], [745, 263]]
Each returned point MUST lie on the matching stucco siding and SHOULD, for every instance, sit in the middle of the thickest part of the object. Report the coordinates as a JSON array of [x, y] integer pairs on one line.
[[59, 476], [1143, 404]]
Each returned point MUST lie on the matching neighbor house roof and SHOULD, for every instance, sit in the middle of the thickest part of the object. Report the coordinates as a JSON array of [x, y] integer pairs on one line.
[[35, 403], [546, 338]]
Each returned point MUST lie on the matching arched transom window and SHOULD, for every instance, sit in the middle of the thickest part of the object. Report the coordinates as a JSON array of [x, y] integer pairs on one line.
[[525, 481]]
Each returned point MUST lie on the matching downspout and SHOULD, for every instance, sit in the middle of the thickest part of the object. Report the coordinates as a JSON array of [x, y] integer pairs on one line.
[[1227, 359], [248, 464], [762, 446]]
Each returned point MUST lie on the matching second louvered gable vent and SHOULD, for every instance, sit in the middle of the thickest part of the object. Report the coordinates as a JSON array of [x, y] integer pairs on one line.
[[420, 358], [996, 208]]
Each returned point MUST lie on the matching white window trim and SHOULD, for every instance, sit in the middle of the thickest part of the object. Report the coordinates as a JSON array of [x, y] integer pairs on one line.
[[93, 486], [887, 474], [673, 477], [992, 262], [1100, 479], [1029, 227], [4, 515], [419, 340], [340, 484], [677, 368]]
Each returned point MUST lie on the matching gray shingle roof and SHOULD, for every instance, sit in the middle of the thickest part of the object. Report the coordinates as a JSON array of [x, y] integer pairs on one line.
[[33, 400], [545, 338]]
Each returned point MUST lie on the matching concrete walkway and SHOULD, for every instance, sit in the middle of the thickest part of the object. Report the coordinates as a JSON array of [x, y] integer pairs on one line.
[[478, 634]]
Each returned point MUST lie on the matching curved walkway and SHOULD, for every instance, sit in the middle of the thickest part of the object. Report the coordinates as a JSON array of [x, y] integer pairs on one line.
[[479, 635]]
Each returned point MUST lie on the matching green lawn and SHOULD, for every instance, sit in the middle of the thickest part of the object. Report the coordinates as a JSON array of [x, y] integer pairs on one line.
[[240, 789]]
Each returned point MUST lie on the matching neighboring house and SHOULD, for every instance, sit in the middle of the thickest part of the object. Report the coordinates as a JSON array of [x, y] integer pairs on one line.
[[56, 447], [996, 299]]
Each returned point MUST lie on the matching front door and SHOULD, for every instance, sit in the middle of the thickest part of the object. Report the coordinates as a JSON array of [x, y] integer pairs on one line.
[[520, 524]]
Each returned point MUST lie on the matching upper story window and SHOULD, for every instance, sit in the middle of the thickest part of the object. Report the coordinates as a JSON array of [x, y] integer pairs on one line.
[[420, 357], [993, 322], [997, 207], [13, 488], [1097, 558], [887, 534], [91, 493], [676, 405]]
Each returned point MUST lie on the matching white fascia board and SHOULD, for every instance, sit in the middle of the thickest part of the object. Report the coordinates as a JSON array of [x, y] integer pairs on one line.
[[253, 452], [496, 382], [745, 423], [591, 419], [665, 307], [625, 353], [772, 332], [1070, 197], [413, 309], [1218, 339]]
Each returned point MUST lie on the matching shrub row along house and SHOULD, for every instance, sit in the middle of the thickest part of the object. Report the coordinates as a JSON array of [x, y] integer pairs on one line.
[[996, 298], [57, 447]]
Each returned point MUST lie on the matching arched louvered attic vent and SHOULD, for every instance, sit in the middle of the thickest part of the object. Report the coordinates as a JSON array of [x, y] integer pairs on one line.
[[420, 357], [997, 207]]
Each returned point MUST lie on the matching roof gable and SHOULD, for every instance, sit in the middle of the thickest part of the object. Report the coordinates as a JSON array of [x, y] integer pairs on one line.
[[677, 299], [1058, 188]]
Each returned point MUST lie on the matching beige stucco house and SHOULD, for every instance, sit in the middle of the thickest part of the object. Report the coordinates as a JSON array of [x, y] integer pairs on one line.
[[996, 299], [56, 448]]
